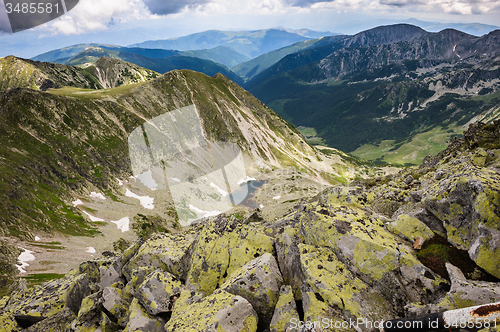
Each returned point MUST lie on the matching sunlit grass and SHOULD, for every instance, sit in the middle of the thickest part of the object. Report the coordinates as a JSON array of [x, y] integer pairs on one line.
[[95, 94], [413, 152]]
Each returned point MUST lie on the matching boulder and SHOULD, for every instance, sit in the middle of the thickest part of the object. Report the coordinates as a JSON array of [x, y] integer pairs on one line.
[[220, 311], [8, 323], [463, 293], [117, 302], [285, 312], [467, 201], [169, 252], [60, 322], [50, 298], [358, 238], [337, 287], [139, 320], [158, 292], [90, 314], [220, 249], [259, 282], [468, 293], [410, 228], [287, 252]]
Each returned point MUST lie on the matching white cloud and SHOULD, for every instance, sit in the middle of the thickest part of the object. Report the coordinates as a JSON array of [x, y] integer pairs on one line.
[[95, 15]]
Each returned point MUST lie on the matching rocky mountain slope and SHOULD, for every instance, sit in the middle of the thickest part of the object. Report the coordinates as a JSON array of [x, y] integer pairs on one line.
[[173, 61], [22, 73], [113, 73], [394, 82], [66, 168], [422, 241]]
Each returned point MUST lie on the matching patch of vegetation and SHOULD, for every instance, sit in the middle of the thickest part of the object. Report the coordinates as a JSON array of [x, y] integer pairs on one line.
[[144, 226], [120, 245], [38, 278], [437, 251]]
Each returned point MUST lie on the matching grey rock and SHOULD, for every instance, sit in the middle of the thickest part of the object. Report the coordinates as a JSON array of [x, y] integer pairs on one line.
[[158, 292], [287, 252], [285, 312], [140, 320], [259, 282]]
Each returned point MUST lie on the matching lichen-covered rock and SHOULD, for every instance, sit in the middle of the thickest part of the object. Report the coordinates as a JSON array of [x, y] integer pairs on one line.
[[380, 259], [463, 293], [221, 249], [468, 204], [8, 323], [318, 314], [137, 277], [50, 298], [111, 272], [259, 282], [60, 322], [468, 293], [287, 252], [169, 252], [220, 311], [89, 317], [117, 302], [417, 211], [285, 312], [410, 228], [335, 285], [158, 292], [140, 321]]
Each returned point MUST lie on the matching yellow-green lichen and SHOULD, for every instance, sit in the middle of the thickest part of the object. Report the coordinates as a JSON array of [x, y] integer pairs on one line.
[[410, 228]]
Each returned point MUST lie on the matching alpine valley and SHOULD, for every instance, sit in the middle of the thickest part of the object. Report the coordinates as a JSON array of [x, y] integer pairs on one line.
[[407, 223]]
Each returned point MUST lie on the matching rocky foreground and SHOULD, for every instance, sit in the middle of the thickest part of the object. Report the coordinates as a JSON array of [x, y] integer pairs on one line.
[[351, 253]]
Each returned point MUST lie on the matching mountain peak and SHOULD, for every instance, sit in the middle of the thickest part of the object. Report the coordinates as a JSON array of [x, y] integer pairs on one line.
[[386, 34]]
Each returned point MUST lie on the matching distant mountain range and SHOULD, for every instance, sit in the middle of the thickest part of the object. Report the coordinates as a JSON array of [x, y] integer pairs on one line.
[[248, 43], [375, 93], [385, 87]]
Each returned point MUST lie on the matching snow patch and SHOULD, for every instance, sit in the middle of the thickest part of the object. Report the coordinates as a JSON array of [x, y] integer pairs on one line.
[[277, 197], [222, 192], [206, 214], [146, 201], [248, 179], [261, 206], [37, 238], [25, 257], [92, 218], [97, 195], [77, 202], [120, 182], [90, 250], [122, 224], [176, 179]]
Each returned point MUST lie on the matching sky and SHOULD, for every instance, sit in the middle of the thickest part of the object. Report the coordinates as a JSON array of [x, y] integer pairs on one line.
[[125, 22]]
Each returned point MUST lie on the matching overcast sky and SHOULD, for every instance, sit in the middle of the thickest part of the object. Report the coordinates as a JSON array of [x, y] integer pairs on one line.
[[125, 22]]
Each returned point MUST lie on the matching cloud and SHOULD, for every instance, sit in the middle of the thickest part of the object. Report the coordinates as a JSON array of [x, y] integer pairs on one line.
[[95, 15], [165, 7], [462, 7]]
